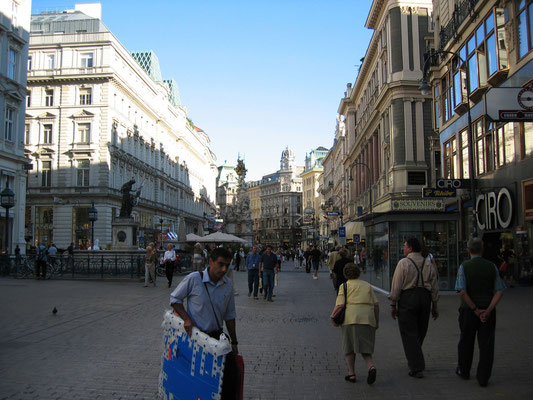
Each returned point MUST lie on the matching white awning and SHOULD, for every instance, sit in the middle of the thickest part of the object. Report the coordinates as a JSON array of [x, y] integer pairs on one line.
[[354, 227]]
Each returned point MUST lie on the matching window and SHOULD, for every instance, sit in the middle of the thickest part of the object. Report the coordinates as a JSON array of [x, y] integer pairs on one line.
[[46, 178], [50, 61], [9, 124], [27, 134], [47, 134], [28, 99], [49, 97], [83, 172], [451, 160], [85, 96], [483, 147], [504, 144], [465, 168], [12, 64], [416, 178], [527, 133], [84, 133], [29, 62], [86, 60], [524, 24]]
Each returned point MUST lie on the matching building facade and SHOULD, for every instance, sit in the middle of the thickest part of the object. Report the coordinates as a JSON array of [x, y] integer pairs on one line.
[[97, 117], [14, 41], [392, 152], [281, 205], [484, 68], [311, 196]]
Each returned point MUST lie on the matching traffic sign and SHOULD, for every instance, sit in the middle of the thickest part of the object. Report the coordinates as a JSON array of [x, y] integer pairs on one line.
[[356, 238], [342, 231]]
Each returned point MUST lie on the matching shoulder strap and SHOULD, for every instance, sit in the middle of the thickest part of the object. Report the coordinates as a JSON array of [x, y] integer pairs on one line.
[[209, 296], [345, 286]]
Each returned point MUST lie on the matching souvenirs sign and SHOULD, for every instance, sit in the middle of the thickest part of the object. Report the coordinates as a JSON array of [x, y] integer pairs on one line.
[[417, 205]]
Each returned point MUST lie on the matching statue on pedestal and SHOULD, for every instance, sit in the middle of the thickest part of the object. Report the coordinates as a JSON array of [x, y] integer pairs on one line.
[[129, 198]]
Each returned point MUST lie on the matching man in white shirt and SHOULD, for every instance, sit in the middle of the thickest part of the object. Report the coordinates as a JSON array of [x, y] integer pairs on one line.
[[169, 261]]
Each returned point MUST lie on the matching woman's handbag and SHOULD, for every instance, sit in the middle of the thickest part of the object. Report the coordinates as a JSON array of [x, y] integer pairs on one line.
[[338, 318]]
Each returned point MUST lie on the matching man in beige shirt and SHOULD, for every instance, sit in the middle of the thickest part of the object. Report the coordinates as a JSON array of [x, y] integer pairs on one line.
[[414, 294]]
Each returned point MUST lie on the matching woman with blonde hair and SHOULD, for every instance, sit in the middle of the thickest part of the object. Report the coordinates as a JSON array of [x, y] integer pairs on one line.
[[151, 259], [360, 321]]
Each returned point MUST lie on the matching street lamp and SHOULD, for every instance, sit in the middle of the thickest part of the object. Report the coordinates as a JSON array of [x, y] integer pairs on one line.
[[7, 200], [93, 216], [425, 89], [369, 189]]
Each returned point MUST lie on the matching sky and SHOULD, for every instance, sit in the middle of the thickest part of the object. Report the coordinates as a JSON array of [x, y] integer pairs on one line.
[[256, 75]]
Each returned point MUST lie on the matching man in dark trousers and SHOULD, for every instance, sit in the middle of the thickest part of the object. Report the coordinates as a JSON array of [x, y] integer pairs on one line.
[[481, 288], [414, 294], [268, 266]]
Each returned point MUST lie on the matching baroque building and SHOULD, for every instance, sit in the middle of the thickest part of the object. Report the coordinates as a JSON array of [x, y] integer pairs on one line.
[[281, 205], [390, 150], [312, 211], [14, 41], [97, 117]]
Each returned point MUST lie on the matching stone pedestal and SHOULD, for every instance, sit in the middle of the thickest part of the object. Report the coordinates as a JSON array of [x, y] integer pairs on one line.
[[124, 232]]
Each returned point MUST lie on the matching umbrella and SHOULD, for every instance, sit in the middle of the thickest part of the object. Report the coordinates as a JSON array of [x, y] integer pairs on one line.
[[221, 237], [191, 237]]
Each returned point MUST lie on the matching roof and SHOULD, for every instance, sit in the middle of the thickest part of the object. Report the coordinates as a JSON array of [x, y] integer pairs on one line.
[[65, 22]]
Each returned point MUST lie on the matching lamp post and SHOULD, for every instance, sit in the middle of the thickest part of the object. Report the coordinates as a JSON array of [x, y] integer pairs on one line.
[[425, 89], [7, 200], [93, 216], [369, 189]]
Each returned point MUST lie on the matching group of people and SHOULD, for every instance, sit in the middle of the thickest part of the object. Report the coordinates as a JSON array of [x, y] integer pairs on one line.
[[171, 261], [413, 298]]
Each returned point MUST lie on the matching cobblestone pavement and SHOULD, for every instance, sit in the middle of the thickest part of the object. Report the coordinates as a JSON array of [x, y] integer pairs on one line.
[[105, 343]]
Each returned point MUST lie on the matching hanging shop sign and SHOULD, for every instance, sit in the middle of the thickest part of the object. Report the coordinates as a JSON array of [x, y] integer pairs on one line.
[[494, 210], [417, 205]]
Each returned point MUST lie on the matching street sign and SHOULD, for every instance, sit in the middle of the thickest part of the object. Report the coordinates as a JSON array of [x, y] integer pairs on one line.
[[333, 213], [356, 238], [453, 183], [434, 192], [342, 231]]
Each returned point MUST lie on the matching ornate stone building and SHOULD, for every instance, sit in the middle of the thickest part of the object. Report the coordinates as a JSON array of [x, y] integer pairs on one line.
[[97, 117], [14, 40], [281, 205]]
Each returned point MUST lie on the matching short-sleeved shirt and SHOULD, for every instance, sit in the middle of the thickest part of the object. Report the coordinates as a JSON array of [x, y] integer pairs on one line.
[[193, 289], [269, 261], [360, 303]]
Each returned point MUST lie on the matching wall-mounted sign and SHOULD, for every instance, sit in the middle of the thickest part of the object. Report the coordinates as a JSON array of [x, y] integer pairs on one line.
[[494, 210], [434, 192], [342, 231], [333, 213], [509, 104], [417, 205], [452, 184]]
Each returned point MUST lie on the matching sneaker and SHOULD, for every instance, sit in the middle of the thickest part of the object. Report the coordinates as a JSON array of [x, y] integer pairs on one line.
[[315, 277], [416, 374]]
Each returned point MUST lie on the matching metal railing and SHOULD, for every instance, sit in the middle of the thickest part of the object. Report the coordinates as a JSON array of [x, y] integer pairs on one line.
[[82, 265], [462, 10]]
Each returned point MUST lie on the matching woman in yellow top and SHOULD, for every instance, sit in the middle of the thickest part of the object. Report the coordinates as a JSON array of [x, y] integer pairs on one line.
[[360, 322]]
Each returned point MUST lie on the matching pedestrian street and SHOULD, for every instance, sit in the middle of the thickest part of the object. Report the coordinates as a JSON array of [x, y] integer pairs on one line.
[[105, 343]]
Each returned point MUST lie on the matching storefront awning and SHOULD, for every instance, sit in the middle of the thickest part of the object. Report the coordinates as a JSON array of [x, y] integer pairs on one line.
[[354, 227]]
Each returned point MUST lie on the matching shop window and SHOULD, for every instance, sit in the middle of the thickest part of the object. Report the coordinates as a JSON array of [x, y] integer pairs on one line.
[[450, 159], [526, 131], [44, 224], [524, 23], [504, 145]]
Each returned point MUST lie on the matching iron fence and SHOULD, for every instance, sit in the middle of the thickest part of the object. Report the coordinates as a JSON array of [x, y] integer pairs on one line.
[[95, 265]]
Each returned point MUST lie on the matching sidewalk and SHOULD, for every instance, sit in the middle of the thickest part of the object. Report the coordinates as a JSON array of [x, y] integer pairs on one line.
[[105, 343]]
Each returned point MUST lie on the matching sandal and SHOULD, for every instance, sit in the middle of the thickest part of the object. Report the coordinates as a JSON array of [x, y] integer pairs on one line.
[[371, 378], [350, 378]]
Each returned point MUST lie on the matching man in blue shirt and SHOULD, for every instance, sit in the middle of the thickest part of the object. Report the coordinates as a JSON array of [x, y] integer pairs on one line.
[[210, 301], [481, 288], [252, 265]]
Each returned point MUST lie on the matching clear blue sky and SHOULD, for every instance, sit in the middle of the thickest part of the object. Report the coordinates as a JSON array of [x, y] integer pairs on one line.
[[257, 76]]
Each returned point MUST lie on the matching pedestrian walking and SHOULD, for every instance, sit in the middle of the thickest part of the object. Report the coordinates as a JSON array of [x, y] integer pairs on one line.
[[169, 262], [414, 294], [315, 260], [209, 303], [52, 254], [333, 257], [338, 268], [198, 260], [300, 258], [268, 266], [361, 320], [252, 266], [481, 289], [149, 265], [307, 257]]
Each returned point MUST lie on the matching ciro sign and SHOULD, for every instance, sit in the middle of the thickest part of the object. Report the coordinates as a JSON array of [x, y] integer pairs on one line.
[[525, 98]]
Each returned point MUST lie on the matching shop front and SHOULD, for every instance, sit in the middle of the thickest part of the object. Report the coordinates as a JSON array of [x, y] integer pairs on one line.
[[387, 232]]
